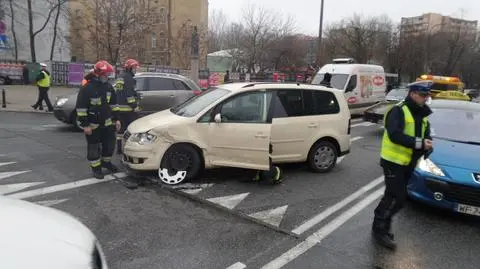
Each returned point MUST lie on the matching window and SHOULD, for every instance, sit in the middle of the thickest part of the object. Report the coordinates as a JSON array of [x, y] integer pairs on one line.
[[198, 103], [154, 41], [141, 84], [337, 81], [352, 84], [162, 15], [324, 102], [163, 41], [179, 85], [161, 84], [288, 103], [249, 107]]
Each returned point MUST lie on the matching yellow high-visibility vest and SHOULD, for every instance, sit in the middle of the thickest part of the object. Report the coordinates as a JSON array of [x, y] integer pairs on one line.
[[45, 82], [397, 153]]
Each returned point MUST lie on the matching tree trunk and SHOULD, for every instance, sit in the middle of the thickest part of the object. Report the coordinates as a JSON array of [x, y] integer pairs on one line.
[[30, 31], [13, 30], [55, 25]]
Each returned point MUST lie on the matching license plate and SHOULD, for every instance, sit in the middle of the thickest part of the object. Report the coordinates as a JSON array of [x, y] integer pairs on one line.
[[468, 209]]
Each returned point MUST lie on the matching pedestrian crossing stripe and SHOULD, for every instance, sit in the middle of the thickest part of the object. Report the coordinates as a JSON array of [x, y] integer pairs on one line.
[[11, 174], [9, 188]]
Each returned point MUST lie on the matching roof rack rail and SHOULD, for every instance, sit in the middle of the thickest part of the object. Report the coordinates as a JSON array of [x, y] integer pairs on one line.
[[272, 82]]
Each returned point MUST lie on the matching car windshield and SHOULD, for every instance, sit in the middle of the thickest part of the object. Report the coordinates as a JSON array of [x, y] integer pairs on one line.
[[444, 87], [398, 93], [455, 124], [198, 103], [338, 81]]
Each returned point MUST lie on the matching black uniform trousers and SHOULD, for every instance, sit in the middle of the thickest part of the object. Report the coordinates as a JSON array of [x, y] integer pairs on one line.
[[101, 145], [125, 119], [43, 96], [396, 181]]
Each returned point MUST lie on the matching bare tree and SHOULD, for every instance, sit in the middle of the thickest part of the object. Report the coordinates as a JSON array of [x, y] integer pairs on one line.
[[32, 32], [217, 29], [55, 28], [14, 33]]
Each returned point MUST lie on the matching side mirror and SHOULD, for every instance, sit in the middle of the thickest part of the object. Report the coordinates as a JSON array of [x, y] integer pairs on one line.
[[218, 118]]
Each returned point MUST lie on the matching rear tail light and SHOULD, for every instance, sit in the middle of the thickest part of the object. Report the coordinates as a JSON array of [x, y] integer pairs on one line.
[[349, 125], [197, 92]]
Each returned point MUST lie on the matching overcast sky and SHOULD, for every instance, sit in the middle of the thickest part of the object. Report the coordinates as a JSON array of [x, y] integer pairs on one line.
[[306, 12]]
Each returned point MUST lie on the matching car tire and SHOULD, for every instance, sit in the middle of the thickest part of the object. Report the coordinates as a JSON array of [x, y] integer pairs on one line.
[[322, 157], [180, 163]]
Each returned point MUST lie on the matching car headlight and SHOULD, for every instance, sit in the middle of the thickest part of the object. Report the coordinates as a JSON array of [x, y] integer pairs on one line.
[[61, 101], [143, 138], [428, 166]]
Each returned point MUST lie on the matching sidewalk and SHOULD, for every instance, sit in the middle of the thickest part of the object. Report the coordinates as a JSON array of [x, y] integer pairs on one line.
[[21, 97]]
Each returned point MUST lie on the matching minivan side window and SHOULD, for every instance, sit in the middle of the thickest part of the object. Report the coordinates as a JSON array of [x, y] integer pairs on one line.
[[252, 107], [318, 102], [160, 84], [288, 103]]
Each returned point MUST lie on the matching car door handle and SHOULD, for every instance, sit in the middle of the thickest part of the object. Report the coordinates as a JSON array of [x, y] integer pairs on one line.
[[172, 96], [312, 125], [261, 136]]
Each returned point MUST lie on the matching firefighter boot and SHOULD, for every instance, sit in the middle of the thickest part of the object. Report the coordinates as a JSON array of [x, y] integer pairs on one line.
[[97, 172], [110, 167]]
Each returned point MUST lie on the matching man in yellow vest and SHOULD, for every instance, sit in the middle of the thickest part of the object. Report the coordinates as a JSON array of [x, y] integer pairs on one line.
[[405, 139], [43, 83]]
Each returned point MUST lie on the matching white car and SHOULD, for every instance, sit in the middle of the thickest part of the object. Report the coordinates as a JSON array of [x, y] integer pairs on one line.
[[34, 236]]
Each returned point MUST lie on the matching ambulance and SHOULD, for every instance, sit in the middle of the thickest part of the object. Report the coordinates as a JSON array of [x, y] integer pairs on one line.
[[363, 84]]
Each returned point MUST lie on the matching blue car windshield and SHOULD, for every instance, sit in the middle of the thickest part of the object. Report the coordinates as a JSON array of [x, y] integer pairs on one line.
[[455, 124]]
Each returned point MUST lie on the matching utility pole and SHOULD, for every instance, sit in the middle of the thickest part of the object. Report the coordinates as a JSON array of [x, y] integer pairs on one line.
[[320, 31]]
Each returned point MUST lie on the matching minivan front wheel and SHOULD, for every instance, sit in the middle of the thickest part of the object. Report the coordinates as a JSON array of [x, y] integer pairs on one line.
[[180, 163], [322, 157]]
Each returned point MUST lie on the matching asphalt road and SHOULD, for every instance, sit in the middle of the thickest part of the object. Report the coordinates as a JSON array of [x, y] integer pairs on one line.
[[224, 221]]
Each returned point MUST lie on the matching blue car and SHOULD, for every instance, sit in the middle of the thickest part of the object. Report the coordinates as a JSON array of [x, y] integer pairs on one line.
[[449, 177]]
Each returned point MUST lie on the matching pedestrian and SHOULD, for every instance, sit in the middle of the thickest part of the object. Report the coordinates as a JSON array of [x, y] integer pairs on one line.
[[97, 113], [127, 99], [25, 74], [43, 83], [226, 78], [326, 80], [405, 139]]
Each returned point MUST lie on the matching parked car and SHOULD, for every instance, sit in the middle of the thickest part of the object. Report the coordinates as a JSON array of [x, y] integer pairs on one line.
[[450, 177], [34, 236], [376, 112], [233, 125], [157, 91]]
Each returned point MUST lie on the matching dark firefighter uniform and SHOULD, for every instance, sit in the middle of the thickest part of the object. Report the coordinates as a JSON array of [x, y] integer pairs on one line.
[[97, 108], [406, 128], [127, 108]]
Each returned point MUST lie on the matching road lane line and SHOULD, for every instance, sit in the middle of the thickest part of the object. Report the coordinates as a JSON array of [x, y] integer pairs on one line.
[[237, 265], [366, 124], [64, 187], [323, 232], [331, 210], [356, 138]]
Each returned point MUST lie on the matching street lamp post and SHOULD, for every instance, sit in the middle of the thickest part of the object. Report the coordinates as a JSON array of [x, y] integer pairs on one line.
[[320, 31]]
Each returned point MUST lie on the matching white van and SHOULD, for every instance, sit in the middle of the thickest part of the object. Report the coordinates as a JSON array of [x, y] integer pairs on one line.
[[363, 84]]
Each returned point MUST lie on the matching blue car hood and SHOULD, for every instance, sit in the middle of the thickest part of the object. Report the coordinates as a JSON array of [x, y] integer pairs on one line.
[[454, 154]]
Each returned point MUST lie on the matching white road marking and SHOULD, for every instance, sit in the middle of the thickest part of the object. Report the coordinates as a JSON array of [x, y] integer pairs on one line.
[[230, 201], [356, 138], [336, 207], [11, 174], [51, 202], [193, 189], [66, 186], [366, 124], [7, 163], [237, 265], [9, 188], [323, 232], [271, 216], [357, 120]]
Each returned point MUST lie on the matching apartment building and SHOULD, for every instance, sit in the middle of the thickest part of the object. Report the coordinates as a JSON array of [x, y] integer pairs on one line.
[[431, 23], [163, 37]]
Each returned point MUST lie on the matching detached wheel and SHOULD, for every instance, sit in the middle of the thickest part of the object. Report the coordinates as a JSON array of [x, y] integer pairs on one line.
[[180, 163], [322, 157]]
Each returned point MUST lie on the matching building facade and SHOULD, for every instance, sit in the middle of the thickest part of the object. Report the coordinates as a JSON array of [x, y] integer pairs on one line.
[[161, 34], [431, 23], [43, 40]]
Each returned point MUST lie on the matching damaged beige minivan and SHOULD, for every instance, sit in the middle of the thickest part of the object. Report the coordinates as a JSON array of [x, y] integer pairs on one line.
[[233, 125]]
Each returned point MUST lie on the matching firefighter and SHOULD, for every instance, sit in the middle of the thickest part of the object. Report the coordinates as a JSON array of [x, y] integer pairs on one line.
[[406, 138], [97, 112], [127, 99]]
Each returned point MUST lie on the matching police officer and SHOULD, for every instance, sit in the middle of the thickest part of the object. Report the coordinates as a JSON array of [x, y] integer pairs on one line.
[[97, 110], [405, 140], [43, 83], [127, 99]]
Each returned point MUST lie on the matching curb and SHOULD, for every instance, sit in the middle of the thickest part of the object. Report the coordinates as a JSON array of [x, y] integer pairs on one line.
[[223, 209]]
